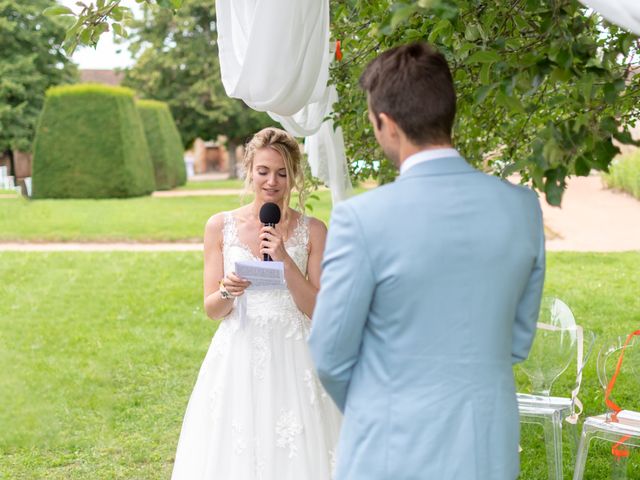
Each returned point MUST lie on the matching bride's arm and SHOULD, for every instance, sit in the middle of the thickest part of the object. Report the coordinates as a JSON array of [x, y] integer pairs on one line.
[[214, 305], [305, 290]]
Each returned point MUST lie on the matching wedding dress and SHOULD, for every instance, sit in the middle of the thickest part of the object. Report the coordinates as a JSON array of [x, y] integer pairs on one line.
[[258, 411]]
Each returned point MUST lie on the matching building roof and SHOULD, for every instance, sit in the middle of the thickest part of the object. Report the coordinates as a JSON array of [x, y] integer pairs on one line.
[[106, 77]]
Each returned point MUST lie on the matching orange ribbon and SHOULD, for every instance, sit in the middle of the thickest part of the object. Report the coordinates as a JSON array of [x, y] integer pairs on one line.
[[617, 448]]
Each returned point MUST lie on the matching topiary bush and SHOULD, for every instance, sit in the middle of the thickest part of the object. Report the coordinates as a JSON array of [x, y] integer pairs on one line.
[[90, 143], [165, 144]]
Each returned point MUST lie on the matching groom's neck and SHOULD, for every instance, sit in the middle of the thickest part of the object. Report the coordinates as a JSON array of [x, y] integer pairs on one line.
[[407, 149]]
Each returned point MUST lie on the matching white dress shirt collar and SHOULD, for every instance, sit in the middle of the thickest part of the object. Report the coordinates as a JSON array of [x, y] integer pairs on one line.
[[425, 156]]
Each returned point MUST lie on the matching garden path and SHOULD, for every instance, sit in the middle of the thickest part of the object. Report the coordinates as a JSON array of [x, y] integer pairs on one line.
[[592, 218]]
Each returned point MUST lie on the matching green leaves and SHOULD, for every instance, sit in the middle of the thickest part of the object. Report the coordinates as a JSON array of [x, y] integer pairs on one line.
[[31, 62], [554, 185], [57, 10], [534, 82], [483, 56], [94, 19], [402, 13]]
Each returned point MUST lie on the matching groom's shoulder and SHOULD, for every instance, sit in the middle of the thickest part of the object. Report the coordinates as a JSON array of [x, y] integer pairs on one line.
[[523, 192], [367, 201]]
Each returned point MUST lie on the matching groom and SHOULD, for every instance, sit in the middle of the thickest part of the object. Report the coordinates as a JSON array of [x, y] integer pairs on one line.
[[430, 291]]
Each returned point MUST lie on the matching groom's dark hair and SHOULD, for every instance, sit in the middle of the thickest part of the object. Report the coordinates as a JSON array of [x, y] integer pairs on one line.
[[413, 85]]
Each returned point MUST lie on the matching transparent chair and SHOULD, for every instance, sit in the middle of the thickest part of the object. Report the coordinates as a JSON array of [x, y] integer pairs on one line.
[[559, 342], [618, 363]]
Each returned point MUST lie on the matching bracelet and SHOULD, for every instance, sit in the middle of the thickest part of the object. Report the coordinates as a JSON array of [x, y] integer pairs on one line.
[[224, 293]]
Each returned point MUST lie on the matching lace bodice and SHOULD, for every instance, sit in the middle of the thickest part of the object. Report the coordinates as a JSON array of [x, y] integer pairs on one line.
[[234, 250], [273, 307]]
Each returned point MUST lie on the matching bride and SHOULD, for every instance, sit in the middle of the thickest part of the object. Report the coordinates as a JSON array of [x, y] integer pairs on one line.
[[258, 411]]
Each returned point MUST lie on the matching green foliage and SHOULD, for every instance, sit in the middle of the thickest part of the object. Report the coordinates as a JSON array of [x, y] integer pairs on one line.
[[165, 144], [90, 143], [543, 88], [95, 18], [30, 62], [177, 62], [624, 174], [92, 20]]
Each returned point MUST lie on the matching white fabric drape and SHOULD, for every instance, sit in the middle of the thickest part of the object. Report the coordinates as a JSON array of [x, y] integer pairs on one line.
[[324, 145], [275, 55], [624, 13]]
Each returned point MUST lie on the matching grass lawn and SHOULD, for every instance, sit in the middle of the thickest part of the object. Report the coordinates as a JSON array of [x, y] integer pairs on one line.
[[99, 352], [143, 219]]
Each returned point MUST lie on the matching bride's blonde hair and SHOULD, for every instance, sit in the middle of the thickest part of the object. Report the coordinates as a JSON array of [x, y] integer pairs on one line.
[[286, 145]]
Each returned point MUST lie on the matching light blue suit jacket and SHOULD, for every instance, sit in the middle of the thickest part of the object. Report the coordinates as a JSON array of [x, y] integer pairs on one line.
[[430, 291]]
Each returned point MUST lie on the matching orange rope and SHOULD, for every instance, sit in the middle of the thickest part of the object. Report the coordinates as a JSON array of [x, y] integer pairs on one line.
[[617, 448]]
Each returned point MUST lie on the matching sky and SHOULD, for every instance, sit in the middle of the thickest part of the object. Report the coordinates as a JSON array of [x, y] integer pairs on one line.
[[107, 55]]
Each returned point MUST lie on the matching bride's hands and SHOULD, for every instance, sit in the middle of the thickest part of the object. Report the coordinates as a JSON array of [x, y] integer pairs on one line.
[[271, 242]]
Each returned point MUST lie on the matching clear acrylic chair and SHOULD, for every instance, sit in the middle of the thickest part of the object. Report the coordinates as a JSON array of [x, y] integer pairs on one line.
[[618, 363], [559, 342]]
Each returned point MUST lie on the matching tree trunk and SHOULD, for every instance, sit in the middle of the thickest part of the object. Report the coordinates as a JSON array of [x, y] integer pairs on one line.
[[233, 163]]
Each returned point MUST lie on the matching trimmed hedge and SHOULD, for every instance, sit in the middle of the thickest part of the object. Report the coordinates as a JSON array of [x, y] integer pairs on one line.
[[90, 143], [624, 174], [165, 144]]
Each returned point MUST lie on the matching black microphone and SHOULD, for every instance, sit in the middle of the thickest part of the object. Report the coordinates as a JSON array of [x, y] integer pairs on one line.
[[269, 216]]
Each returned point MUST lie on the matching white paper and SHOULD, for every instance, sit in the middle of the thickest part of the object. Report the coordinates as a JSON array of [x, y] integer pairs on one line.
[[262, 275]]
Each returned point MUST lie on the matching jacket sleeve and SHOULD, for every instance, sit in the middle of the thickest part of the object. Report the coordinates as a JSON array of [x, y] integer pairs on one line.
[[524, 328], [346, 288]]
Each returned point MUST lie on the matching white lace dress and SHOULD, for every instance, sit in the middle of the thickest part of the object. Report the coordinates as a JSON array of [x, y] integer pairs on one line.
[[258, 411]]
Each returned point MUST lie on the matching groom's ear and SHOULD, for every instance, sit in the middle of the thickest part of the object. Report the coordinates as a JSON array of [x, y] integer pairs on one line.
[[388, 123]]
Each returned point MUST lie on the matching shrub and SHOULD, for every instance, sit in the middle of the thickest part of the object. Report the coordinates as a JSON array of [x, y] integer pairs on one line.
[[165, 144], [624, 174], [90, 143]]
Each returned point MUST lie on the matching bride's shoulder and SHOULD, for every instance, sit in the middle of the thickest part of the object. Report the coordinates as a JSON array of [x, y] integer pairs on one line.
[[314, 222], [316, 227], [216, 223], [218, 220]]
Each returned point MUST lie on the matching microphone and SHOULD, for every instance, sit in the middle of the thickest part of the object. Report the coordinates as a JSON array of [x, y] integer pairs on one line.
[[269, 216]]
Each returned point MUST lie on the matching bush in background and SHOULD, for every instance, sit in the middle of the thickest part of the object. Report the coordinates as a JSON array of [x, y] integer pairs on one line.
[[90, 143], [165, 144], [624, 174]]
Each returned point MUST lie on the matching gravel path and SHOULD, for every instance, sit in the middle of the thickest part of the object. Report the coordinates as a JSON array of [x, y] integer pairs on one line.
[[593, 219]]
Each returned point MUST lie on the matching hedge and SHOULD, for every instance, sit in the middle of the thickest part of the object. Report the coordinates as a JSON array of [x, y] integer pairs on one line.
[[90, 143], [165, 144]]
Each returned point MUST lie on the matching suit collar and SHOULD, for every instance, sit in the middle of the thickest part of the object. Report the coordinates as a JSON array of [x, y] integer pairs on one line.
[[425, 156], [439, 166]]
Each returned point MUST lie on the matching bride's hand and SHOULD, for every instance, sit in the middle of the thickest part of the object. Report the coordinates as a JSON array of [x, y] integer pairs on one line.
[[235, 285], [271, 242]]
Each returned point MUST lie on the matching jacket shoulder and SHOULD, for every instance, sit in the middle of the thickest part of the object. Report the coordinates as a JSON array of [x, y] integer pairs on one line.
[[365, 201]]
